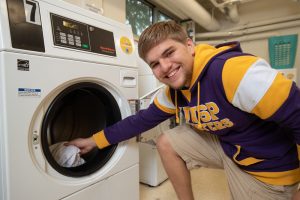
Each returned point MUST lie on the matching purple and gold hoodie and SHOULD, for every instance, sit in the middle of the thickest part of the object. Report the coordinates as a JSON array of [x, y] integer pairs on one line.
[[252, 108]]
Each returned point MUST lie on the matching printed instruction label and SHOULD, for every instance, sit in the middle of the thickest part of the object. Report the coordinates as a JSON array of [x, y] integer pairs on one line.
[[29, 92]]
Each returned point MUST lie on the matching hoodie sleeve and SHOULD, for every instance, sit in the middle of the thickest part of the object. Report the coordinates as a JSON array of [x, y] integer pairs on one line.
[[254, 87], [160, 110]]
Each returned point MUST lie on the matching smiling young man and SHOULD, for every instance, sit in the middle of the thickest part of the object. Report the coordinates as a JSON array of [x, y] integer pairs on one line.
[[240, 115], [172, 63]]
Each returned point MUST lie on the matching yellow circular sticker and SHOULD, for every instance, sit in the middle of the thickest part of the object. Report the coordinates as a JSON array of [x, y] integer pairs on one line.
[[126, 45]]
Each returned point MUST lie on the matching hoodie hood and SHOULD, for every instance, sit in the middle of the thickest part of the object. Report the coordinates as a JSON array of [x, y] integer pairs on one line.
[[204, 54]]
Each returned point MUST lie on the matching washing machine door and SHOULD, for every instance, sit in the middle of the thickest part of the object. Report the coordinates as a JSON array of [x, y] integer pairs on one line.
[[79, 111]]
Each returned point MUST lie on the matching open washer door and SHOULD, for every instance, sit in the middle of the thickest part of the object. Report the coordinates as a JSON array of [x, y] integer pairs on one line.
[[78, 112]]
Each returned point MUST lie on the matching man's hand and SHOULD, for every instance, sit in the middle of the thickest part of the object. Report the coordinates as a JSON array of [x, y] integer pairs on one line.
[[84, 144]]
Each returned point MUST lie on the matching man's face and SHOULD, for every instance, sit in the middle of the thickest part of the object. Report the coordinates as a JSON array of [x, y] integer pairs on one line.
[[172, 62]]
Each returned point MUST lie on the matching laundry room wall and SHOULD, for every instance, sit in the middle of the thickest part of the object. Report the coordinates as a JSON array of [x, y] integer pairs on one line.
[[276, 18], [259, 20]]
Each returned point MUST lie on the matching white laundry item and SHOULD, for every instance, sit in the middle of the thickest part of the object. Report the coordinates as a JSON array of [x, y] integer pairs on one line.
[[66, 156]]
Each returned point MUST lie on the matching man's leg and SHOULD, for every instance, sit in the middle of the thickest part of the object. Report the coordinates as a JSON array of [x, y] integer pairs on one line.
[[176, 169], [296, 196], [244, 186], [197, 148], [182, 149]]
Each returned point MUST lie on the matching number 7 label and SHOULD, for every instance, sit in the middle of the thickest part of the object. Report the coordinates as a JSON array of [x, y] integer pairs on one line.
[[32, 12]]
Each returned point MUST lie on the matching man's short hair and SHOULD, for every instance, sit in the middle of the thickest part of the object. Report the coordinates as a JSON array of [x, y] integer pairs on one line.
[[158, 32]]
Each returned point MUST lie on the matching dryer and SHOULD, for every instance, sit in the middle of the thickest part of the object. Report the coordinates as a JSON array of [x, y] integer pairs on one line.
[[65, 73]]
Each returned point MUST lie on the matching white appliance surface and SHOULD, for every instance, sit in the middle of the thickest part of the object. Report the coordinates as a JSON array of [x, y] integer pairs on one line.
[[27, 90], [152, 171]]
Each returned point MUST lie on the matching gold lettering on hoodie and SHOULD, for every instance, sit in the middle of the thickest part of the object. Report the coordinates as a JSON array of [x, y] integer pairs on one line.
[[208, 117]]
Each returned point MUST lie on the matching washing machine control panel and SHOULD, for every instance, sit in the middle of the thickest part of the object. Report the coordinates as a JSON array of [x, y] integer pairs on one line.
[[76, 35]]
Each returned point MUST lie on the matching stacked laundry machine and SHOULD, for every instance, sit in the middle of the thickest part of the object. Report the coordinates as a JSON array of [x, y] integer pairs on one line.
[[65, 73]]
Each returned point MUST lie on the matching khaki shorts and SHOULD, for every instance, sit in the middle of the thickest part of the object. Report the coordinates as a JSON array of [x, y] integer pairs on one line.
[[201, 149]]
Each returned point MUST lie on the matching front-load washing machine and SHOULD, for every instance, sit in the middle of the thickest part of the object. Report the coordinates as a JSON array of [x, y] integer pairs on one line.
[[65, 73]]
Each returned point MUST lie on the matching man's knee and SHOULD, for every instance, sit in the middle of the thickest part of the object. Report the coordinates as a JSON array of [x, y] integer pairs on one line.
[[163, 144]]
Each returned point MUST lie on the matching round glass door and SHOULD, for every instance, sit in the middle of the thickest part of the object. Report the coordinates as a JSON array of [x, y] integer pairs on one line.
[[79, 111]]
